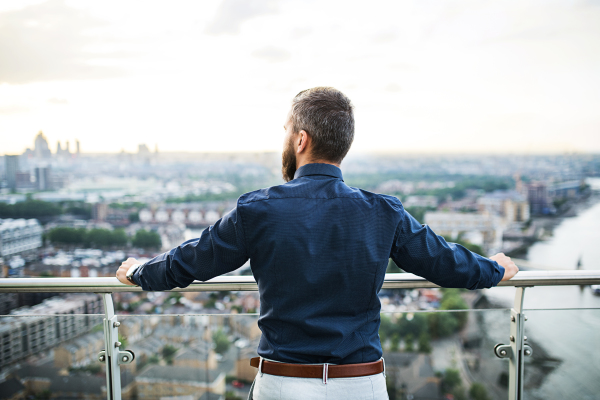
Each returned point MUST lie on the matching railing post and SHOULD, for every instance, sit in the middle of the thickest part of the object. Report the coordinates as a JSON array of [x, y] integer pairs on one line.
[[517, 349], [111, 355]]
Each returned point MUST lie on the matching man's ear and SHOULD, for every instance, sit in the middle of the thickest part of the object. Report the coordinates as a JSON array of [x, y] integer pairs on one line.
[[303, 140]]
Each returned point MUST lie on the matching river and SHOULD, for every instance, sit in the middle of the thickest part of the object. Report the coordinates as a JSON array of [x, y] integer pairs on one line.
[[565, 321]]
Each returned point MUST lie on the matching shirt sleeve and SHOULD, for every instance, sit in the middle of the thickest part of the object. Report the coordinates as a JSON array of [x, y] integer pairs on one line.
[[417, 249], [220, 249]]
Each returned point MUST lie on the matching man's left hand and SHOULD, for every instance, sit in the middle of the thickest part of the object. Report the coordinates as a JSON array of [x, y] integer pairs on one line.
[[122, 271]]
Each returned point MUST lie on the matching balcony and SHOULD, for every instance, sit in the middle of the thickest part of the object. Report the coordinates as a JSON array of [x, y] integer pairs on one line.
[[488, 350]]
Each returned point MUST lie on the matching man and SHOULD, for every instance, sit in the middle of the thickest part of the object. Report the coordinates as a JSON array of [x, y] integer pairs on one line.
[[319, 250]]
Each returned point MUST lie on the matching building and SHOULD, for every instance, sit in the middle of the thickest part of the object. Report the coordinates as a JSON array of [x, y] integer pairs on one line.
[[11, 164], [80, 351], [243, 370], [41, 148], [565, 190], [481, 229], [19, 235], [24, 181], [42, 178], [99, 211], [8, 302], [539, 200], [159, 381], [510, 205], [420, 201], [29, 330]]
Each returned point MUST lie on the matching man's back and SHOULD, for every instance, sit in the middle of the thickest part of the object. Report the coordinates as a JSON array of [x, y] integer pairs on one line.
[[319, 250]]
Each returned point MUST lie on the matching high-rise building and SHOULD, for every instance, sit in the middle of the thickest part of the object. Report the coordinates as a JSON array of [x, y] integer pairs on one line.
[[42, 178], [41, 149], [77, 146], [11, 164]]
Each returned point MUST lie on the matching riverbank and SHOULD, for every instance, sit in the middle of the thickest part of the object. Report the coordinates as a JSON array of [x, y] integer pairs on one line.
[[542, 227]]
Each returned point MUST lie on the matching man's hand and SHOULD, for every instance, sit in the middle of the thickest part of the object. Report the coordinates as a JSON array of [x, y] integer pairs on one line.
[[122, 271], [510, 268]]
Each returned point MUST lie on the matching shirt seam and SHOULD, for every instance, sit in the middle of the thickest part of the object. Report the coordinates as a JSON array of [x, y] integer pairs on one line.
[[308, 198]]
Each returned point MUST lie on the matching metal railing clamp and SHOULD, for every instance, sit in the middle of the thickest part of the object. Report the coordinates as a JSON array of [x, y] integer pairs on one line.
[[112, 356], [517, 350]]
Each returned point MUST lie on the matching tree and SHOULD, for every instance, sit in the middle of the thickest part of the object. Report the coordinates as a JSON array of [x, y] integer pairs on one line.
[[409, 343], [424, 343], [221, 341], [451, 379], [118, 237], [442, 324], [64, 235], [168, 352], [478, 392], [147, 239], [29, 209], [395, 342]]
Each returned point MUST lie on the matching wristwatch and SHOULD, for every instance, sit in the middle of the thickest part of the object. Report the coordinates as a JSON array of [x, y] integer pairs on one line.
[[131, 271]]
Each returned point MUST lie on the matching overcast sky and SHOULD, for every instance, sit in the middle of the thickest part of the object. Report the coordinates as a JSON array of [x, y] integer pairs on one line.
[[424, 76]]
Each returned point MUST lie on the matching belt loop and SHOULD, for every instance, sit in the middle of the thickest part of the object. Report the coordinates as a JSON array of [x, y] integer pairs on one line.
[[325, 372], [260, 366], [383, 359]]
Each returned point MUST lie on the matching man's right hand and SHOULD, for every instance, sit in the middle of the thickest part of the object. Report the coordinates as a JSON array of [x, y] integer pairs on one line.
[[510, 268]]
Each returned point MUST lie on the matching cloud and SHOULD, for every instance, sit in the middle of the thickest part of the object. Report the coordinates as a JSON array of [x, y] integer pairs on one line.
[[272, 54], [392, 87], [231, 14], [384, 37], [13, 109], [47, 41], [57, 101]]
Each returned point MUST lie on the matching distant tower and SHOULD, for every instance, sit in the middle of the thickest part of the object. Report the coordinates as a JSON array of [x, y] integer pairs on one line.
[[68, 148], [77, 146], [58, 149], [156, 148], [41, 149], [143, 149], [12, 167]]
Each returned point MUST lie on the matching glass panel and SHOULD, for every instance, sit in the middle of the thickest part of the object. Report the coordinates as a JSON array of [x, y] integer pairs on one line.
[[432, 355], [565, 363], [51, 354], [188, 355]]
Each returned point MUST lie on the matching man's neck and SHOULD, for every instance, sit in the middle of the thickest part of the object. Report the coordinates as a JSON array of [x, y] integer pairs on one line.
[[301, 163]]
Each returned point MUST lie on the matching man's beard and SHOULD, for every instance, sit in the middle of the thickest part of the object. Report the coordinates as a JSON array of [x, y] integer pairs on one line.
[[288, 161]]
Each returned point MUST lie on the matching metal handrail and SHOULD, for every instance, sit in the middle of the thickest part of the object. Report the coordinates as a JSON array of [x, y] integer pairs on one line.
[[247, 283]]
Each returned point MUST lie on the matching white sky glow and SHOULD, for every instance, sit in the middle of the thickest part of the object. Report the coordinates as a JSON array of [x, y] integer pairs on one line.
[[424, 76]]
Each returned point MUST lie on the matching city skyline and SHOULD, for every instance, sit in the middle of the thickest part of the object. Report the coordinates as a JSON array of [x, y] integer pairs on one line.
[[218, 76]]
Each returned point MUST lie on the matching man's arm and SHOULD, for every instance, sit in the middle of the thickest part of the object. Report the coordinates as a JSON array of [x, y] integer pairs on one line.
[[220, 249], [419, 250]]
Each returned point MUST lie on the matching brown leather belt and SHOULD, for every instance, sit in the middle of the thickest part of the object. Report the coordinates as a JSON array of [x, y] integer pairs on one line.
[[318, 371]]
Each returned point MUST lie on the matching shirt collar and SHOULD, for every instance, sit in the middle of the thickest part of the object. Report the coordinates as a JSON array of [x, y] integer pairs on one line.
[[319, 169]]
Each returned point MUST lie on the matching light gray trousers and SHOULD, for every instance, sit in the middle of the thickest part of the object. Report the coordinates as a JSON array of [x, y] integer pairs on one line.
[[272, 387]]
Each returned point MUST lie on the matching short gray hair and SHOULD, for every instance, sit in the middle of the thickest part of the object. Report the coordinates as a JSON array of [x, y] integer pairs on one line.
[[327, 115]]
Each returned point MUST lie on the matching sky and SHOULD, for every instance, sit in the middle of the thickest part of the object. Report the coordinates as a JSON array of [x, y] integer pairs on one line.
[[219, 75]]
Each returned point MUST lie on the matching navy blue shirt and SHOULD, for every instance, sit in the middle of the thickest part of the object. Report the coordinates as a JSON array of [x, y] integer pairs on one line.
[[319, 250]]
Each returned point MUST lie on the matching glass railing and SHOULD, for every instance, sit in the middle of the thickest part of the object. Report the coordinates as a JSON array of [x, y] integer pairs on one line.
[[485, 345]]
